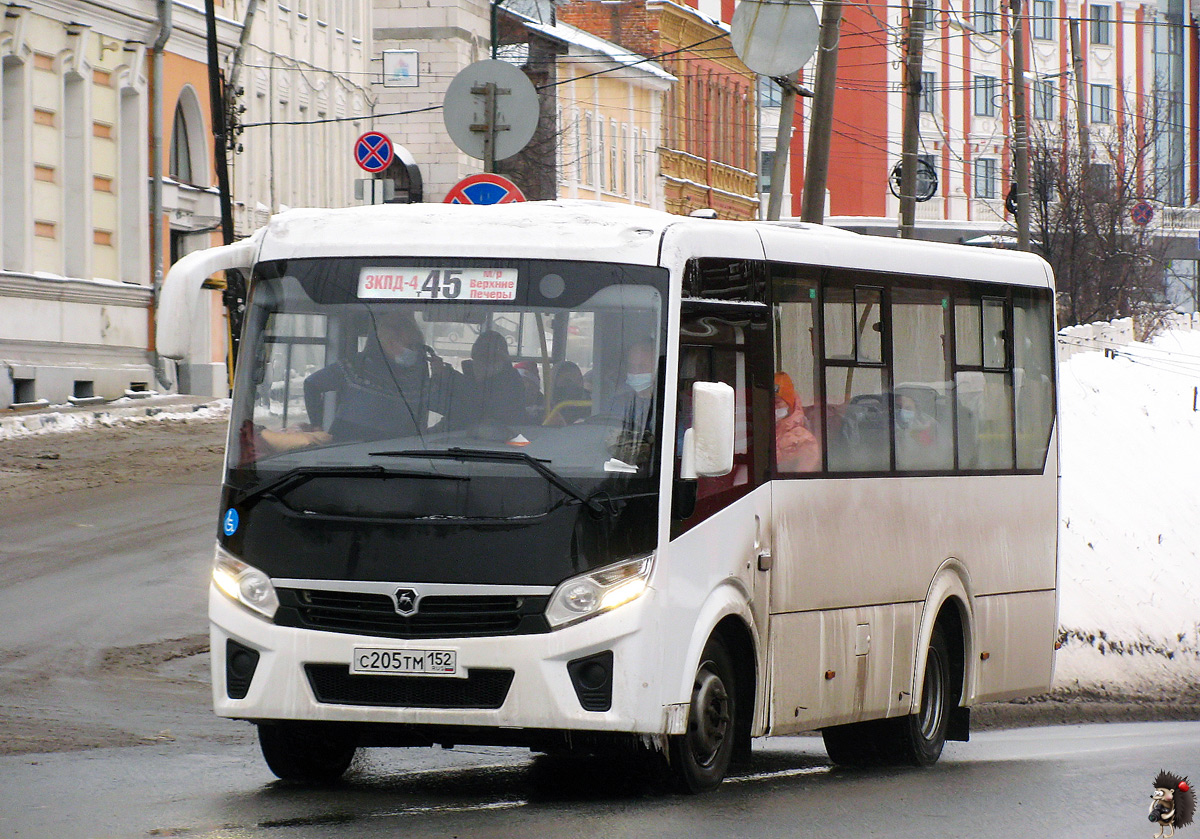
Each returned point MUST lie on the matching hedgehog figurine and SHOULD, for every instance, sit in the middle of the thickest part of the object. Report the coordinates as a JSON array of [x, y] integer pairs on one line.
[[1172, 805]]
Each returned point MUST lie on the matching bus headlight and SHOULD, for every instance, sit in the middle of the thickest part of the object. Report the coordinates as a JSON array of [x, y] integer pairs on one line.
[[244, 583], [598, 591]]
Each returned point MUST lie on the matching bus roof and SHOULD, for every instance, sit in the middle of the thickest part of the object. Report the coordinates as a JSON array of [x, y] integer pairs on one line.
[[610, 232]]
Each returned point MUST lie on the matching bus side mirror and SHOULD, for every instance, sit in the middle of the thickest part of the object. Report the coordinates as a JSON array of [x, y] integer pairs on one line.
[[708, 444]]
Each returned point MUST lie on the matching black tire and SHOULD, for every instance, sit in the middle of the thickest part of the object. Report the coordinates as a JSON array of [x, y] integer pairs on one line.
[[307, 753], [917, 739], [700, 758], [912, 740], [858, 744]]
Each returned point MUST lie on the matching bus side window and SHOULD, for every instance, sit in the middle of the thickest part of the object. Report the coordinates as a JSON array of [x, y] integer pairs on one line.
[[797, 413], [857, 405]]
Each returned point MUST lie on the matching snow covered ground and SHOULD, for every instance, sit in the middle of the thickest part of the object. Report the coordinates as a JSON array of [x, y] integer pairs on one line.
[[1129, 544], [1129, 573]]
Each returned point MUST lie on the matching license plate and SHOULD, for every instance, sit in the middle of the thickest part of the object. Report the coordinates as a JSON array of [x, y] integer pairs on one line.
[[389, 662]]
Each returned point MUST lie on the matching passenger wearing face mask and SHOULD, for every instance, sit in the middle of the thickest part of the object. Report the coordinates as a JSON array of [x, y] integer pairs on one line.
[[633, 401], [796, 447], [387, 390], [489, 391]]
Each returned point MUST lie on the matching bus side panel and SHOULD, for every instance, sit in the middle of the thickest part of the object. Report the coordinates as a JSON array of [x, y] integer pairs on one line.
[[1016, 644], [841, 543], [841, 666]]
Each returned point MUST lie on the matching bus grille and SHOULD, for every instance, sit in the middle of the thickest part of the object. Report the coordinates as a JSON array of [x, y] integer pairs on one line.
[[483, 688], [440, 616]]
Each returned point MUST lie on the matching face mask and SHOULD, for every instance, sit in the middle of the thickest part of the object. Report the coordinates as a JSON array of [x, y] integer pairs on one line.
[[906, 416], [407, 357], [639, 381], [781, 412]]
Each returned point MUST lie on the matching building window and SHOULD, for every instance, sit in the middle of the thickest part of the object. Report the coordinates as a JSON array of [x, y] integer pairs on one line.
[[986, 173], [614, 151], [766, 163], [769, 93], [984, 17], [927, 103], [986, 89], [1102, 25], [1101, 103], [1043, 20], [1043, 99], [587, 161]]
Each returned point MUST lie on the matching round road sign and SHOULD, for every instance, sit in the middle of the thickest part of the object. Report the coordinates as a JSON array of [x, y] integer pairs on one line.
[[484, 189], [373, 151], [774, 38], [1142, 213], [517, 108]]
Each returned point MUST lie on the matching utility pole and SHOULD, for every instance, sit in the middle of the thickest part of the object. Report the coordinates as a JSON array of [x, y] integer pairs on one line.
[[1081, 121], [783, 140], [488, 128], [1020, 126], [816, 172], [912, 119]]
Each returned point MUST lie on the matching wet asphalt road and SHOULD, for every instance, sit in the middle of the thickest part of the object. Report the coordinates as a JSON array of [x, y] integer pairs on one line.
[[1078, 781]]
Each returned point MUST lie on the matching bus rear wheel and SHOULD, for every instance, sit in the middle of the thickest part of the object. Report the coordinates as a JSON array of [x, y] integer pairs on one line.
[[307, 753], [917, 739], [913, 740], [700, 757]]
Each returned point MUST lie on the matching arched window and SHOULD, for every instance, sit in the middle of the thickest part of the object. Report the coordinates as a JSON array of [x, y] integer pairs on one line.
[[181, 149], [188, 156]]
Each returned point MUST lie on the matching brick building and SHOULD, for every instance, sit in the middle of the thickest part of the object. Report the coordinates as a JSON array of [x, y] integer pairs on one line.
[[709, 140]]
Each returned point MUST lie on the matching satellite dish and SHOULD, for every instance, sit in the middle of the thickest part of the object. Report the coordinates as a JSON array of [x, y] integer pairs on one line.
[[518, 108], [774, 37]]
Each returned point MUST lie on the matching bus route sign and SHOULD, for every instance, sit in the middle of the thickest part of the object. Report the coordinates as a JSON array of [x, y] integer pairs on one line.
[[484, 189]]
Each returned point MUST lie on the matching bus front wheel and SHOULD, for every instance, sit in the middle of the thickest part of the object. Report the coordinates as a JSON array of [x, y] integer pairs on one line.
[[307, 753], [700, 757]]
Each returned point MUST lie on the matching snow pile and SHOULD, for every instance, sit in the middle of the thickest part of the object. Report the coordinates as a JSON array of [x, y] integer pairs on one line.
[[121, 412], [1129, 541]]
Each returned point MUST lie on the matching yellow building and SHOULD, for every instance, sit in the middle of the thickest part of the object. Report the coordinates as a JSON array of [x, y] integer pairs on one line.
[[610, 105]]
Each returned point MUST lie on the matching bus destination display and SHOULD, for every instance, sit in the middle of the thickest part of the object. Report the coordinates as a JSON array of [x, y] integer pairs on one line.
[[417, 283]]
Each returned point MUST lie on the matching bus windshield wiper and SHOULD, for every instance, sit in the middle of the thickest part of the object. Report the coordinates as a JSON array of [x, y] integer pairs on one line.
[[537, 464], [302, 474]]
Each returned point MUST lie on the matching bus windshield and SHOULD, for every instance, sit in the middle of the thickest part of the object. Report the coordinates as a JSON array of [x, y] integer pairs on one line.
[[544, 374]]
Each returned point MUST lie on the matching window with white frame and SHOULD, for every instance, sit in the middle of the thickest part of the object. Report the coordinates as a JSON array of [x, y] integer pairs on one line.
[[1043, 99], [1101, 29], [985, 177], [769, 93], [985, 91], [588, 158], [1101, 97], [1042, 20], [984, 16], [613, 157], [927, 103]]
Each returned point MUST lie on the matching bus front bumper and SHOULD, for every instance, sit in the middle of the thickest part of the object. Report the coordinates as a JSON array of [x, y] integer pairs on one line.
[[302, 674]]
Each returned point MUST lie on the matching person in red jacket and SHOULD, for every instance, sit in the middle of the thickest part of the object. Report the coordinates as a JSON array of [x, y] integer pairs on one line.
[[796, 447]]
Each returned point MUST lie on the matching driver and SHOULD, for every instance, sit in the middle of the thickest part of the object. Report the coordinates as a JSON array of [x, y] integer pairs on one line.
[[387, 390]]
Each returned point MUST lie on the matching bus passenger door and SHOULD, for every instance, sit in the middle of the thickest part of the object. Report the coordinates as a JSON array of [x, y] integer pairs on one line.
[[728, 532]]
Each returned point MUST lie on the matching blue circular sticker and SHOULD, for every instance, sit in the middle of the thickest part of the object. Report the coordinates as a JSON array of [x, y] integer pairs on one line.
[[230, 524]]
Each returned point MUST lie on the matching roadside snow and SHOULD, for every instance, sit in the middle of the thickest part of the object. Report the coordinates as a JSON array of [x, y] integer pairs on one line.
[[1129, 565]]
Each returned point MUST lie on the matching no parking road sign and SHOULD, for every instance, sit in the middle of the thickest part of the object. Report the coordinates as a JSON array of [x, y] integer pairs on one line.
[[373, 151], [484, 189], [1142, 213]]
